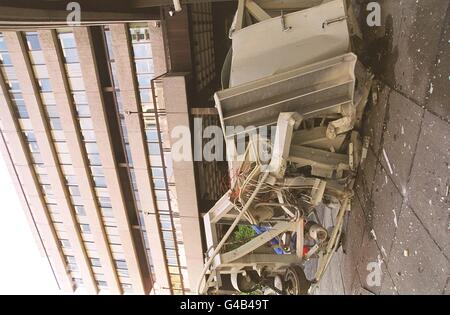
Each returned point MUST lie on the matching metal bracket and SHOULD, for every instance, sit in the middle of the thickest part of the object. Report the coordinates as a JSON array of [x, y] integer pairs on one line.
[[331, 21], [284, 27]]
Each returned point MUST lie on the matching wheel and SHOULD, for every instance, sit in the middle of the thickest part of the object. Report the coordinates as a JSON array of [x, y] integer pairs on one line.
[[245, 284], [295, 281]]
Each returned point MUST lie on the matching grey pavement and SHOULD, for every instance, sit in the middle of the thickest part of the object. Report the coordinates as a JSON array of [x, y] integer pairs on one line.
[[400, 213]]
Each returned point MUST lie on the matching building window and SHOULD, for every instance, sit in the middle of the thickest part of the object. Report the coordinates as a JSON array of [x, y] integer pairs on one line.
[[157, 172], [107, 212], [152, 135], [91, 148], [102, 192], [88, 135], [65, 244], [74, 190], [67, 40], [123, 273], [13, 86], [144, 66], [142, 50], [127, 287], [159, 183], [61, 147], [161, 194], [41, 72], [52, 111], [48, 98], [85, 228], [64, 158], [94, 160], [95, 262], [100, 181], [70, 55], [34, 148], [97, 171], [70, 180], [74, 70], [79, 98], [37, 57], [79, 210], [121, 264], [86, 124], [83, 111], [71, 263], [154, 148], [76, 84], [78, 282], [45, 85], [144, 80], [32, 41], [5, 59], [55, 123], [105, 202], [58, 135]]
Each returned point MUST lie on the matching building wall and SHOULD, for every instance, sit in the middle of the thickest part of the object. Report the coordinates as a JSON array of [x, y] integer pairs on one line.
[[86, 138]]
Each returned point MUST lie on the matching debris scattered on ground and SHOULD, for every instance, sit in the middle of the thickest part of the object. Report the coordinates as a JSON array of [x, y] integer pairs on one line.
[[372, 232], [383, 251], [388, 163]]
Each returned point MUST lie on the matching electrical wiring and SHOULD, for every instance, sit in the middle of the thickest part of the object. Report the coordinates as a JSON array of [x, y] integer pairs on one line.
[[227, 235]]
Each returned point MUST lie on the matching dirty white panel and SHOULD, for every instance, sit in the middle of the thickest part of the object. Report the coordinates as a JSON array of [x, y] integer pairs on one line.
[[263, 49]]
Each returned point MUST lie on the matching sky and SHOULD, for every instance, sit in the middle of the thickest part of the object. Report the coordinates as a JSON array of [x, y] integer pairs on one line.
[[22, 269]]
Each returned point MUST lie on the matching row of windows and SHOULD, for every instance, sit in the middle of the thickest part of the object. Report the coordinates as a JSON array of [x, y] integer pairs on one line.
[[48, 99], [73, 71], [145, 73], [124, 134], [41, 75], [18, 102], [80, 101]]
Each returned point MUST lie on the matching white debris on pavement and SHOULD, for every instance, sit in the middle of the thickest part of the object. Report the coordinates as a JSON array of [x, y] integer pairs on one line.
[[383, 251], [380, 261], [387, 161], [395, 218], [373, 234]]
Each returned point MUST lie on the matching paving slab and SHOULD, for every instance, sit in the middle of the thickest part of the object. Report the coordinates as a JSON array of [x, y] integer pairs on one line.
[[388, 287], [416, 264], [430, 177], [371, 259], [447, 287], [387, 205], [421, 29], [331, 283], [403, 121], [356, 286], [439, 92], [353, 238]]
